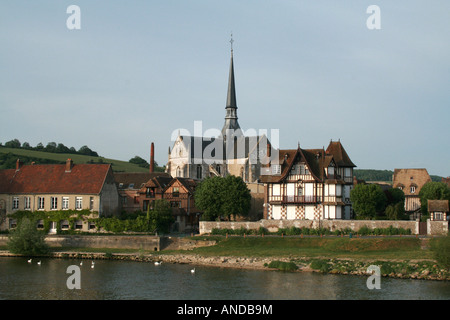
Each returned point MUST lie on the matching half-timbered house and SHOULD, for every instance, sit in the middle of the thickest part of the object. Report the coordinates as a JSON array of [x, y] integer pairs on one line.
[[309, 184]]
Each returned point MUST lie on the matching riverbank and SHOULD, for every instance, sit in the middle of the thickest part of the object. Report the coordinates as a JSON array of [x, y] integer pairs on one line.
[[397, 257], [414, 269]]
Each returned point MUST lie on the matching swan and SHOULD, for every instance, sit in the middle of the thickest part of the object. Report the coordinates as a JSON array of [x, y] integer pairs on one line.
[[29, 261], [39, 262], [92, 266], [81, 263], [157, 263], [193, 270]]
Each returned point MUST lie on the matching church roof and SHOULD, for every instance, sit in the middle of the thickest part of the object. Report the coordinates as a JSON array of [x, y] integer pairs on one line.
[[217, 148]]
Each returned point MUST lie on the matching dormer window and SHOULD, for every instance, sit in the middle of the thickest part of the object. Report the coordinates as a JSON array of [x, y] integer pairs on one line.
[[276, 169], [412, 189]]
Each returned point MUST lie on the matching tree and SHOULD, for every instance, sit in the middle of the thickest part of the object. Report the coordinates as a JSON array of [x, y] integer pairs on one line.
[[139, 161], [209, 198], [237, 197], [51, 147], [433, 191], [395, 209], [87, 151], [218, 196], [26, 239], [13, 144], [160, 216], [367, 200]]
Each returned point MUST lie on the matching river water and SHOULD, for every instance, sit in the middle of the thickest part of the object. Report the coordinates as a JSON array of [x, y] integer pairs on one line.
[[126, 280]]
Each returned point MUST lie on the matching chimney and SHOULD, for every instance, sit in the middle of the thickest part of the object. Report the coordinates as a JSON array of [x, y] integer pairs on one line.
[[69, 165], [18, 164], [152, 158]]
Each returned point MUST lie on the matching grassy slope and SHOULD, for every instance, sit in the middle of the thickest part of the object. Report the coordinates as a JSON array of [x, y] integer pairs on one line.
[[378, 248], [117, 165]]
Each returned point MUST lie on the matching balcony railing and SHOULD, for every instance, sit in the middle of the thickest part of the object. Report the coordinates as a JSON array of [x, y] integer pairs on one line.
[[295, 199]]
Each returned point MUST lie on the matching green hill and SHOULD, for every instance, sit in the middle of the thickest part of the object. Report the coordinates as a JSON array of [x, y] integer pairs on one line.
[[9, 156], [381, 175]]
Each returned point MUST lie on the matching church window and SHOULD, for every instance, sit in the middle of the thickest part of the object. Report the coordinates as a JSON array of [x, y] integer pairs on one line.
[[199, 172]]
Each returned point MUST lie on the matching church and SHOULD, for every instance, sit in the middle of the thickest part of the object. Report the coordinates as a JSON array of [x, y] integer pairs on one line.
[[230, 152]]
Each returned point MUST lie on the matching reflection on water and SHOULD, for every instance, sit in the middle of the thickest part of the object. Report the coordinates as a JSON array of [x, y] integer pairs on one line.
[[113, 280]]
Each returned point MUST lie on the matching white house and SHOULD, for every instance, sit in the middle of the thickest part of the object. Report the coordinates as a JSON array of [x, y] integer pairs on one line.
[[309, 184]]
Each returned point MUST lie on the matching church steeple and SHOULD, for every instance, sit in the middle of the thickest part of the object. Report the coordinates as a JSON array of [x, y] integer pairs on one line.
[[231, 119]]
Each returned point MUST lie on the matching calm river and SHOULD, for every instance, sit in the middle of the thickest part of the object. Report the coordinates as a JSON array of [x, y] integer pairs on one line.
[[114, 280]]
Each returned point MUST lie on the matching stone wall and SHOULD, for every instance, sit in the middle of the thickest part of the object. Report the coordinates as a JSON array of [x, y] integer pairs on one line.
[[120, 242], [433, 227]]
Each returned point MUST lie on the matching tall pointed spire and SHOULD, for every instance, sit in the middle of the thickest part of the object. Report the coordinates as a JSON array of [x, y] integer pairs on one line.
[[231, 106]]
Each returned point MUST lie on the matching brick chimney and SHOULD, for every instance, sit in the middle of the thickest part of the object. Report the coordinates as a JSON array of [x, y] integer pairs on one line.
[[69, 165], [152, 158], [18, 164]]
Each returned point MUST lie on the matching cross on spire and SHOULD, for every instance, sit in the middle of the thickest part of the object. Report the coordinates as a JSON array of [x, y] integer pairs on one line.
[[231, 41]]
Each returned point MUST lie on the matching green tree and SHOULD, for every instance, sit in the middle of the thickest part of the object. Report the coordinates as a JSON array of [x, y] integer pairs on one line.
[[140, 162], [433, 191], [237, 197], [209, 198], [15, 143], [367, 200], [160, 217], [26, 239], [218, 196], [395, 209]]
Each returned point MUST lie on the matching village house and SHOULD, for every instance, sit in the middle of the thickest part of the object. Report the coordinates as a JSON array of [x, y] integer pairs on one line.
[[179, 192], [53, 187], [129, 185], [309, 184], [438, 210], [411, 181]]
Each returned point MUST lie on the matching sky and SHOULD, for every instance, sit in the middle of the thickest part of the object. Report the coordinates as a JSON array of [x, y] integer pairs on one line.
[[137, 71]]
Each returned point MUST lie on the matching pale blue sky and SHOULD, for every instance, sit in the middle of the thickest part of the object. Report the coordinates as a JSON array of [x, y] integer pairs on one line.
[[138, 70]]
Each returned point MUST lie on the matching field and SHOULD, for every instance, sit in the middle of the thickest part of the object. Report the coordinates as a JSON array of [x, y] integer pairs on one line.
[[117, 165]]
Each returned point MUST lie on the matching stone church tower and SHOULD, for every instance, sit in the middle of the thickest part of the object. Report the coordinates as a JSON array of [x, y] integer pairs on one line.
[[229, 153]]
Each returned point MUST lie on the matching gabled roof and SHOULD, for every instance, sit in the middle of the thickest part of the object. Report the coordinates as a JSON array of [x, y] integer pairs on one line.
[[188, 183], [410, 177], [316, 160], [53, 178], [135, 180], [340, 156], [438, 206], [159, 181]]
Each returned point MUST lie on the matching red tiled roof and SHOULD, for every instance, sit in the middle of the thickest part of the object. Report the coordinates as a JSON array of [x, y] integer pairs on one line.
[[53, 178]]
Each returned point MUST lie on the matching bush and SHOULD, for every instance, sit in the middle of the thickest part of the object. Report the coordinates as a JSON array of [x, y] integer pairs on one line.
[[321, 265], [25, 239], [283, 266]]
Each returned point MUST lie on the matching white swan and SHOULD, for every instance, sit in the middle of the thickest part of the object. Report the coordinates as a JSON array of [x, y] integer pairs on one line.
[[29, 261], [193, 270], [92, 266], [39, 262], [157, 263], [81, 263]]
